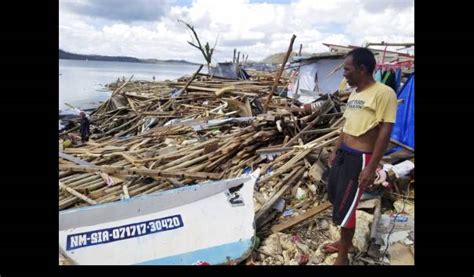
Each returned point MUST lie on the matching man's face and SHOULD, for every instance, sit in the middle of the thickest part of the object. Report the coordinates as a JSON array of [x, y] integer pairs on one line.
[[351, 73]]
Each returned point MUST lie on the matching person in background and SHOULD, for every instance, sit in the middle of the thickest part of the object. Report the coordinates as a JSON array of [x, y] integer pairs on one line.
[[85, 127]]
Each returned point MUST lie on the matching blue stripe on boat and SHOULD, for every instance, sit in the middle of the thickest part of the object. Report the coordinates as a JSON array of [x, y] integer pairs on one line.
[[213, 255]]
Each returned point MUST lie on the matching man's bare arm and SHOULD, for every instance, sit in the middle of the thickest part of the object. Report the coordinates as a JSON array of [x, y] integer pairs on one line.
[[368, 174]]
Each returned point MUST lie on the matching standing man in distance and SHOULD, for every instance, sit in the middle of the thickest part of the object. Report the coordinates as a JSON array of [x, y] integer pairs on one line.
[[85, 127]]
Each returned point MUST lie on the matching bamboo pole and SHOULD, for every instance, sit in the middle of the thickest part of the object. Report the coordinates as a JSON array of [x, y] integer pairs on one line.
[[140, 172], [288, 182], [192, 78], [77, 194], [75, 177], [310, 125], [277, 78]]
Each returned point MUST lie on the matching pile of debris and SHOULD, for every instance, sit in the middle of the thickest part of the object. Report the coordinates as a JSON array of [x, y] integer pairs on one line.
[[156, 136]]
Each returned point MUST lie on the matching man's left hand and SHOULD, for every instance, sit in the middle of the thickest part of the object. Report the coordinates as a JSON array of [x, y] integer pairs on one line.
[[366, 177]]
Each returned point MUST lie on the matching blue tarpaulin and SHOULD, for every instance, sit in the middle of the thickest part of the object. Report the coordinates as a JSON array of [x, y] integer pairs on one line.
[[398, 78], [404, 128]]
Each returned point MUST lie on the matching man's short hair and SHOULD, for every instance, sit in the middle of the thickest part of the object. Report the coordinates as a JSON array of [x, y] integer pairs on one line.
[[363, 56]]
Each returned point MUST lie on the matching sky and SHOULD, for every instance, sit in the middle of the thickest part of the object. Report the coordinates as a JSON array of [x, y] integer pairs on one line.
[[257, 28]]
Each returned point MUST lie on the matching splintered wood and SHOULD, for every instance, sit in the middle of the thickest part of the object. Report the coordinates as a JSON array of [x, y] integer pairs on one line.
[[156, 136]]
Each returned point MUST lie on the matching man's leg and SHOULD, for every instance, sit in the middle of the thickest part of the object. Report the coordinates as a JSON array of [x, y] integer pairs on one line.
[[344, 244]]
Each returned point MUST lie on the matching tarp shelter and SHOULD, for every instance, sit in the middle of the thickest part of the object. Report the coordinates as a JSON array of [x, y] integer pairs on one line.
[[229, 71], [404, 128], [315, 76]]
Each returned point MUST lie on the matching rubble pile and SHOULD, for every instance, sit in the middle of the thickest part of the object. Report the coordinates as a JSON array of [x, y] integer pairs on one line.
[[156, 136]]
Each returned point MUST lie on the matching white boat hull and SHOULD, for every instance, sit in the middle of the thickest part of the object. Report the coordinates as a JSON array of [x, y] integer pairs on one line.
[[207, 222]]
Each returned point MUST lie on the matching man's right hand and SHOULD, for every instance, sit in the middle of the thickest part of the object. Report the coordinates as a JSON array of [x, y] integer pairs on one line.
[[331, 158]]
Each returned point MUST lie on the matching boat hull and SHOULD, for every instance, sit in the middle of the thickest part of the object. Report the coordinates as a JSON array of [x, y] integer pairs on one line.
[[211, 222]]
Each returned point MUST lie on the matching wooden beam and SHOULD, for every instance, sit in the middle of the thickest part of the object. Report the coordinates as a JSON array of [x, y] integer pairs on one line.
[[141, 172], [277, 78], [223, 90], [390, 44], [288, 182], [77, 194], [192, 78], [273, 149], [331, 114], [311, 124], [375, 222], [402, 145], [309, 213], [73, 159], [203, 88]]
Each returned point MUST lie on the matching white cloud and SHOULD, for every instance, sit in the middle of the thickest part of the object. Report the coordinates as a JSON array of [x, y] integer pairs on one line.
[[325, 11], [256, 29], [390, 26], [375, 6]]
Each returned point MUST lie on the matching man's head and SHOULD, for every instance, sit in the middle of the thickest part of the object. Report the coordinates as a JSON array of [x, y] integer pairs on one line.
[[82, 114], [359, 65]]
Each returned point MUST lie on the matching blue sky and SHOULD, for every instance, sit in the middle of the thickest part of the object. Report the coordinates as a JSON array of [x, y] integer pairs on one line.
[[150, 28]]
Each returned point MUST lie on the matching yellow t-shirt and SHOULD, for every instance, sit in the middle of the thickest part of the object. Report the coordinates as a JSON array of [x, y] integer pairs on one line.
[[367, 108]]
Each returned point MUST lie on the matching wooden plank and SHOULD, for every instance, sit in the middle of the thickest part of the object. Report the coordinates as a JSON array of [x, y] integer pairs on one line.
[[77, 194], [192, 78], [223, 90], [190, 162], [73, 159], [273, 149], [83, 181], [244, 109], [331, 115], [338, 122], [202, 88], [312, 123], [288, 182], [308, 148], [309, 213], [181, 160], [319, 142], [402, 145], [140, 172], [377, 212]]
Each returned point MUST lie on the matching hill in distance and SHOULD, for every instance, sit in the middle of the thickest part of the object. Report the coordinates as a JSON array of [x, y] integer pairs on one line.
[[278, 57], [72, 56]]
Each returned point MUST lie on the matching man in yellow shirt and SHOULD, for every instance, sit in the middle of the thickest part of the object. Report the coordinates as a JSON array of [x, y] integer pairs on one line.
[[370, 114]]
